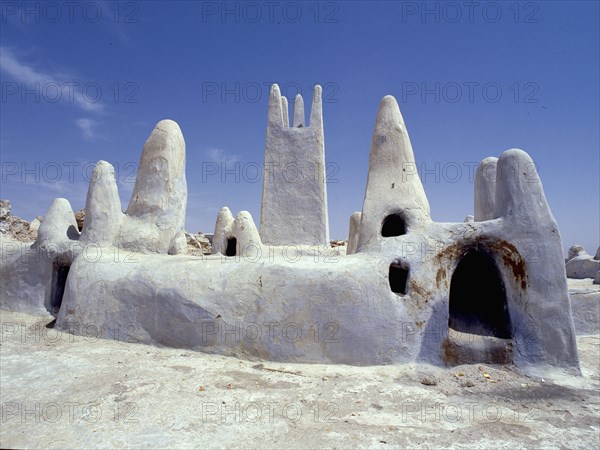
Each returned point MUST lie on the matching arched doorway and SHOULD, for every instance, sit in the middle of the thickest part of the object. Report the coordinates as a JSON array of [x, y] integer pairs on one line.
[[57, 286], [231, 247], [478, 297]]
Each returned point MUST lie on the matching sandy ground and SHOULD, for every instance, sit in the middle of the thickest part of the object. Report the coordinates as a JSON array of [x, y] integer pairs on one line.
[[65, 391]]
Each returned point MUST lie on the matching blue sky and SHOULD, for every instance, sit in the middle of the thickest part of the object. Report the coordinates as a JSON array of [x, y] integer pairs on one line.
[[85, 81]]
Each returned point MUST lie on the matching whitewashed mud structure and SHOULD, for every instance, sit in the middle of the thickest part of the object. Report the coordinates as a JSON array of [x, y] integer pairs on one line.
[[490, 289]]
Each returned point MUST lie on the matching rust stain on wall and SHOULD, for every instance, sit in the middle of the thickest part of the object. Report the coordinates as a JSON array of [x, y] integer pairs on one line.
[[507, 253], [440, 276], [422, 292]]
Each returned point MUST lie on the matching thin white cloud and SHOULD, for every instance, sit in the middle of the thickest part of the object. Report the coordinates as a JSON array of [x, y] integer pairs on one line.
[[86, 126], [219, 156], [44, 192], [46, 81], [117, 17]]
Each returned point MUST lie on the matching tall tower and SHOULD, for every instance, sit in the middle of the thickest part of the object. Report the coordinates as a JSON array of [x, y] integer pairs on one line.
[[395, 201], [294, 196]]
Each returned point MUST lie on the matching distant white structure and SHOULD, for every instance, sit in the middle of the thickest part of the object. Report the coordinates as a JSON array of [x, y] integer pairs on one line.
[[580, 264]]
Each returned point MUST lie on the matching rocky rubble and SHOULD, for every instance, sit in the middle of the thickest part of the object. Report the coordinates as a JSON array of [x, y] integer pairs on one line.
[[5, 208], [80, 218], [198, 244], [16, 228]]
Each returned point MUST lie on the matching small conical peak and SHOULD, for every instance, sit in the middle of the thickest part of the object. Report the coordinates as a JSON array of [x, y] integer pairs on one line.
[[316, 112], [519, 190], [389, 113], [485, 189], [299, 120], [285, 112], [169, 126], [275, 114]]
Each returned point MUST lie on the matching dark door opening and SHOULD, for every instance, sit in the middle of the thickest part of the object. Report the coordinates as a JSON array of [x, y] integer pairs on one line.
[[478, 297], [231, 247], [57, 288], [398, 278], [393, 225]]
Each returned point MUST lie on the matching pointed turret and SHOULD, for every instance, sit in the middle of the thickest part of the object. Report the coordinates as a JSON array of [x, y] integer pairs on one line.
[[394, 198], [246, 234], [59, 224], [525, 214], [353, 232], [299, 120], [285, 112], [103, 214], [159, 196], [223, 229], [275, 114], [316, 112], [485, 189], [519, 191]]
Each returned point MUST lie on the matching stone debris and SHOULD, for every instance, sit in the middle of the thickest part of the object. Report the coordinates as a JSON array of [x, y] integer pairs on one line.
[[5, 208], [198, 244], [13, 227], [80, 218], [429, 381]]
